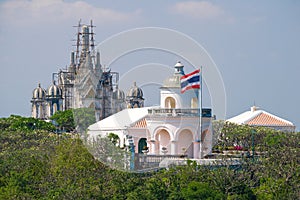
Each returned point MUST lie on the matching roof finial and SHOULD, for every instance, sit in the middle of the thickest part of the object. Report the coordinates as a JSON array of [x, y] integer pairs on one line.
[[179, 68]]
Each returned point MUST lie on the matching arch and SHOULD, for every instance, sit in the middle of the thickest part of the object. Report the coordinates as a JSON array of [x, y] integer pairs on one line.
[[170, 102], [185, 143], [41, 113], [158, 129], [142, 143], [54, 108], [204, 134], [49, 109], [190, 127], [163, 140], [34, 110]]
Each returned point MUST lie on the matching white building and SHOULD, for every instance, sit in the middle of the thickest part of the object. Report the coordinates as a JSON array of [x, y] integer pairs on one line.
[[257, 117], [173, 128]]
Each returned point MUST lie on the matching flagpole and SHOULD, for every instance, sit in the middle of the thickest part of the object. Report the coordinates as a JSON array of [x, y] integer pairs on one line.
[[200, 105]]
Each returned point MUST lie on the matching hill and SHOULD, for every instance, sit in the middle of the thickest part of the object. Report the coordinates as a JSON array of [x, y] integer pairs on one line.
[[36, 163]]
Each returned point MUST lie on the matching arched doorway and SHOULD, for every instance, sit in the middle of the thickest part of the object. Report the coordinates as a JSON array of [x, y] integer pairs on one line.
[[163, 142], [54, 108], [185, 143], [170, 102], [142, 144]]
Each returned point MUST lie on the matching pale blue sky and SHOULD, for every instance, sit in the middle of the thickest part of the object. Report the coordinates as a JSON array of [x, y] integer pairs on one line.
[[255, 44]]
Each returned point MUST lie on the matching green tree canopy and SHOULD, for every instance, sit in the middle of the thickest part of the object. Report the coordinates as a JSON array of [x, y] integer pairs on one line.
[[71, 119], [18, 123], [36, 163]]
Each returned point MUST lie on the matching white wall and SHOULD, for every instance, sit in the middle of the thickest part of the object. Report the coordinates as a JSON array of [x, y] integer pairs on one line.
[[182, 100]]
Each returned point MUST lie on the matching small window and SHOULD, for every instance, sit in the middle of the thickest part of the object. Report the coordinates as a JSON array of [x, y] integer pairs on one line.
[[170, 102]]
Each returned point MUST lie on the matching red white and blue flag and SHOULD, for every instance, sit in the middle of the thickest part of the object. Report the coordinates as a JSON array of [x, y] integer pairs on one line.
[[190, 81]]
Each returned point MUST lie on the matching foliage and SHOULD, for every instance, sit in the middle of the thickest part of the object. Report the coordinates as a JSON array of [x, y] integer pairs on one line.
[[199, 190], [114, 138], [79, 118], [84, 117], [217, 126], [274, 175], [18, 123], [65, 120], [36, 163], [105, 150]]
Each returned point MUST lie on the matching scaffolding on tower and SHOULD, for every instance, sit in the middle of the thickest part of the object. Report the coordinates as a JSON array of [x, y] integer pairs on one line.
[[85, 83]]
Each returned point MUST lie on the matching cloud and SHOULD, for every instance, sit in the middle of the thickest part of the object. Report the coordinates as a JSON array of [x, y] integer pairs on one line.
[[198, 9], [51, 11]]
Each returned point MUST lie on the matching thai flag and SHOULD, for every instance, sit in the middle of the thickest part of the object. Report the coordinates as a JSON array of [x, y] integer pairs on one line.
[[190, 81]]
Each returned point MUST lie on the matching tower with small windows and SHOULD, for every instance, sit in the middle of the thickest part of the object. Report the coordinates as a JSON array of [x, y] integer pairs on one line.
[[170, 93], [38, 102], [54, 99]]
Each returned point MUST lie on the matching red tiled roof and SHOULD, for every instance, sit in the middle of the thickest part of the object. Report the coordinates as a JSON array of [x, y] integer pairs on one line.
[[141, 123], [264, 119]]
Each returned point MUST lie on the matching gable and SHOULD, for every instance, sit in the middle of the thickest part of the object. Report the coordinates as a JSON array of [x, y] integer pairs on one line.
[[264, 119], [141, 123]]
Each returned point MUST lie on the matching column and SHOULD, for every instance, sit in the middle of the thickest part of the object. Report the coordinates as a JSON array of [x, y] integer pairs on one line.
[[173, 147], [196, 149], [153, 146]]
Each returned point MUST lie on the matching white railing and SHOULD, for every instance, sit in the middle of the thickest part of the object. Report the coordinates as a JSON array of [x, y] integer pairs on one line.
[[179, 112]]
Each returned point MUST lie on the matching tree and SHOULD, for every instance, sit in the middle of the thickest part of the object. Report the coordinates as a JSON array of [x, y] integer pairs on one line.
[[83, 118], [35, 163], [114, 138], [199, 190], [105, 150], [65, 120], [18, 123]]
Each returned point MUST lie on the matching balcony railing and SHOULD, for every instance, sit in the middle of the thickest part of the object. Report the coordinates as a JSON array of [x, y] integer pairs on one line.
[[206, 112], [144, 161]]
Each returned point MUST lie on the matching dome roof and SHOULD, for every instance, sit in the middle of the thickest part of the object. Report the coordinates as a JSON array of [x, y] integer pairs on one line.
[[118, 94], [178, 65], [174, 80], [135, 92], [39, 92], [54, 91]]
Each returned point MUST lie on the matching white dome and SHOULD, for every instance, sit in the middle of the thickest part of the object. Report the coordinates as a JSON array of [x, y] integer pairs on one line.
[[135, 92], [173, 81], [178, 65], [54, 91], [39, 92]]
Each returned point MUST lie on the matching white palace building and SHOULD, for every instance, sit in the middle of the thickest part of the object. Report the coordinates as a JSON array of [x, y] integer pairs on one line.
[[173, 128]]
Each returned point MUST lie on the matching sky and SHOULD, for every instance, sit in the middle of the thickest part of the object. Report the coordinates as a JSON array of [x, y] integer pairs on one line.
[[254, 44]]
